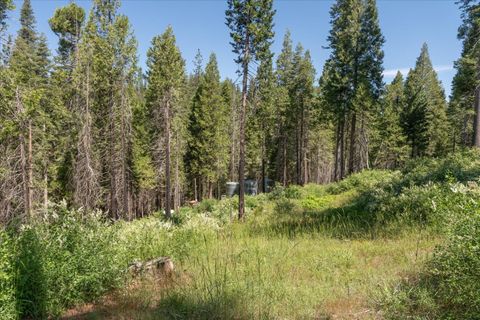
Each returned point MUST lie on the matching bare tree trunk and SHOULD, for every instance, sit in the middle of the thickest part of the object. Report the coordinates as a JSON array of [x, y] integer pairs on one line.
[[302, 156], [113, 208], [29, 197], [305, 158], [210, 190], [45, 189], [336, 172], [86, 190], [176, 203], [352, 151], [243, 111], [233, 137], [195, 188], [298, 147], [318, 165], [284, 160], [465, 141], [264, 182], [342, 149], [476, 120], [23, 158], [167, 160], [45, 179]]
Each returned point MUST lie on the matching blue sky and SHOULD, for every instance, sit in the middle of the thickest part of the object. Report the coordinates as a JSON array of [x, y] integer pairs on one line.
[[199, 24]]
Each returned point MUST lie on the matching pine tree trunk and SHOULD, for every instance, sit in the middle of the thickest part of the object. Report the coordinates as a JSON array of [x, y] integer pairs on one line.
[[232, 151], [336, 170], [23, 157], [243, 111], [464, 135], [45, 178], [23, 161], [176, 196], [298, 151], [352, 154], [29, 199], [476, 120], [284, 160], [342, 149], [264, 182], [306, 168], [241, 163], [168, 212], [210, 190], [195, 191], [303, 167], [45, 189], [111, 170]]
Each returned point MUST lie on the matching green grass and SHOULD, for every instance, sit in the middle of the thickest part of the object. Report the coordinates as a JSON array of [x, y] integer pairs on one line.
[[284, 262], [377, 245]]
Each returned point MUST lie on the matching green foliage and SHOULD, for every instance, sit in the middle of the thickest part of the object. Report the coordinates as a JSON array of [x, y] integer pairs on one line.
[[424, 118], [461, 167], [363, 181], [252, 19], [7, 278], [464, 84], [389, 143], [67, 23], [31, 285], [208, 128], [66, 259], [352, 79], [448, 287], [5, 5], [313, 203]]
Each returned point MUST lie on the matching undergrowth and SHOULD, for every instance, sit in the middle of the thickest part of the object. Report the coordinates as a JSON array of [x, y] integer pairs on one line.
[[303, 252]]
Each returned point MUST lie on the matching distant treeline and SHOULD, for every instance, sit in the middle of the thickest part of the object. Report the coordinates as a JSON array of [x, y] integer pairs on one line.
[[87, 126]]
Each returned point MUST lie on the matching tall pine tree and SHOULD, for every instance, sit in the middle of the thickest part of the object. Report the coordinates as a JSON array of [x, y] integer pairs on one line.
[[354, 69], [165, 78], [251, 30], [424, 117]]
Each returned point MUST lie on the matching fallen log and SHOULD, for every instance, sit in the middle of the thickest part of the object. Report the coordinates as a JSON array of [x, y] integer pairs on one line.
[[163, 265]]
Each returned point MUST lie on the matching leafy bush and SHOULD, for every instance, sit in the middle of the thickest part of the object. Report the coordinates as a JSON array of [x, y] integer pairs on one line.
[[7, 293], [455, 270], [65, 259], [312, 202], [290, 192], [457, 167], [362, 181], [285, 207], [449, 286]]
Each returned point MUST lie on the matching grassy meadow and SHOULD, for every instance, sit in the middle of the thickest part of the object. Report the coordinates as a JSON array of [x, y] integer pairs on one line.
[[378, 245]]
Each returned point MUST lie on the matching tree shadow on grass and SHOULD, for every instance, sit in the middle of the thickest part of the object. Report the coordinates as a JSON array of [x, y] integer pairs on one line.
[[228, 306], [348, 220], [171, 307]]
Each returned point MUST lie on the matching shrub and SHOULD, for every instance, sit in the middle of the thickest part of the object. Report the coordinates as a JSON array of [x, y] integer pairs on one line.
[[7, 286], [455, 270], [362, 181], [285, 207], [457, 167], [31, 280], [63, 260], [449, 286], [314, 203]]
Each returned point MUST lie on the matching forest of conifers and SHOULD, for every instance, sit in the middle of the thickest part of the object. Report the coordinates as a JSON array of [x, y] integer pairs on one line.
[[87, 126]]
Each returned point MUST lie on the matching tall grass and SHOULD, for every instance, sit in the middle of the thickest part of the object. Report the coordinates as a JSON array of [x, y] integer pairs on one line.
[[302, 253]]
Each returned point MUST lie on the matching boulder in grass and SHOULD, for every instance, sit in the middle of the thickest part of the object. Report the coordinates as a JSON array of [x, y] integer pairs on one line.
[[163, 265]]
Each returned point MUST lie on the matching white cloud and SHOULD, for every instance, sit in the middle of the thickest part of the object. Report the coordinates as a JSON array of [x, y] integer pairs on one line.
[[393, 72], [404, 71]]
